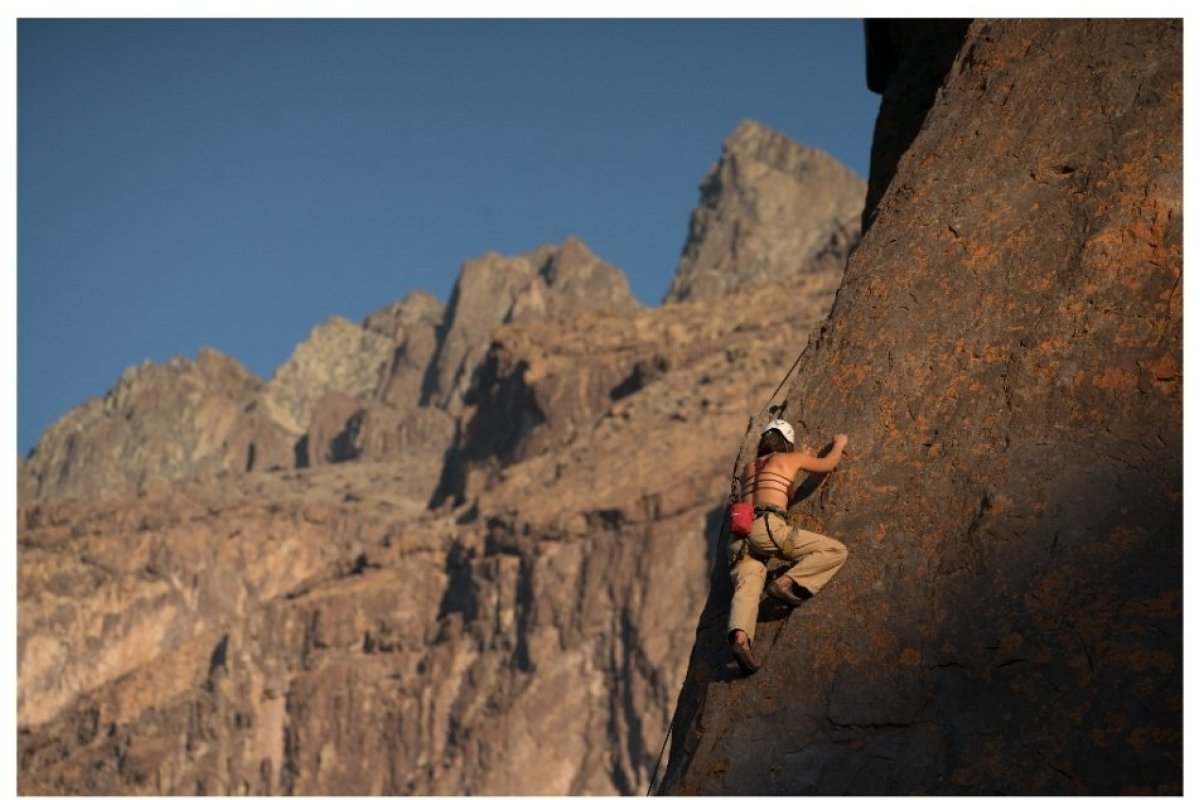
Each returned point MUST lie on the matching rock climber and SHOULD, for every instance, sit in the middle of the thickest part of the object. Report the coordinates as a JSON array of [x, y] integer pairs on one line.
[[812, 559]]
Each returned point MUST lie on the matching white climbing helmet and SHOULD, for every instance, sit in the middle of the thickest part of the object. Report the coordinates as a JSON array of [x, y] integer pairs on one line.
[[782, 427]]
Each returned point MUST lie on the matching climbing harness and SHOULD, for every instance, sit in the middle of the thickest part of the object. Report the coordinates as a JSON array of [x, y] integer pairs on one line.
[[759, 511], [767, 508], [767, 524]]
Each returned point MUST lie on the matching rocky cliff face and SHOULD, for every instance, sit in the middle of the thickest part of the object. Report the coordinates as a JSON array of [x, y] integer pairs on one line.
[[744, 230], [1006, 356], [311, 631], [552, 389], [338, 356], [201, 416], [413, 324], [304, 622], [549, 283]]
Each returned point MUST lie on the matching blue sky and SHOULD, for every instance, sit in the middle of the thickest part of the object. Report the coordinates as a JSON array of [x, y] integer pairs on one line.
[[232, 183]]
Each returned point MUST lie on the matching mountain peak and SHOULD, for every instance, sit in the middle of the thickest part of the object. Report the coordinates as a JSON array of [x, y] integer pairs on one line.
[[769, 208]]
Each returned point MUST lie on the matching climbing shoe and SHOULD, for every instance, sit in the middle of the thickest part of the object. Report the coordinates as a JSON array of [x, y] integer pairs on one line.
[[785, 594], [745, 656]]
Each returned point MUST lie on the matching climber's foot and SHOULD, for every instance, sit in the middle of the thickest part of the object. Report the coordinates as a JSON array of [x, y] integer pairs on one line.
[[787, 590], [740, 644]]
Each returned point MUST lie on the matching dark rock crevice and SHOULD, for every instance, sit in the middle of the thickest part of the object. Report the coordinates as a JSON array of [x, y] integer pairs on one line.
[[907, 60]]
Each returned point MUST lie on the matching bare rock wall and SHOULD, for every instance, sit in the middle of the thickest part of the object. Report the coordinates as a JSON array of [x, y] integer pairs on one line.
[[1005, 354]]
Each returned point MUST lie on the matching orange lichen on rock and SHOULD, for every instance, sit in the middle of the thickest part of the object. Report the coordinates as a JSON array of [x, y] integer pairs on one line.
[[1116, 379]]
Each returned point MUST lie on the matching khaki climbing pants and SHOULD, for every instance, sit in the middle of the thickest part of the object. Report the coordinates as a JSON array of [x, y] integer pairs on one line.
[[814, 560]]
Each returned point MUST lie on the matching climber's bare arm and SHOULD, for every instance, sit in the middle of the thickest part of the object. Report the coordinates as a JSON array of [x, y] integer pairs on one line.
[[807, 460]]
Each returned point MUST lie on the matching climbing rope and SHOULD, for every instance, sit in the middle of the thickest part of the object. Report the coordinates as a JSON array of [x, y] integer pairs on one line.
[[721, 538], [767, 407], [734, 492]]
